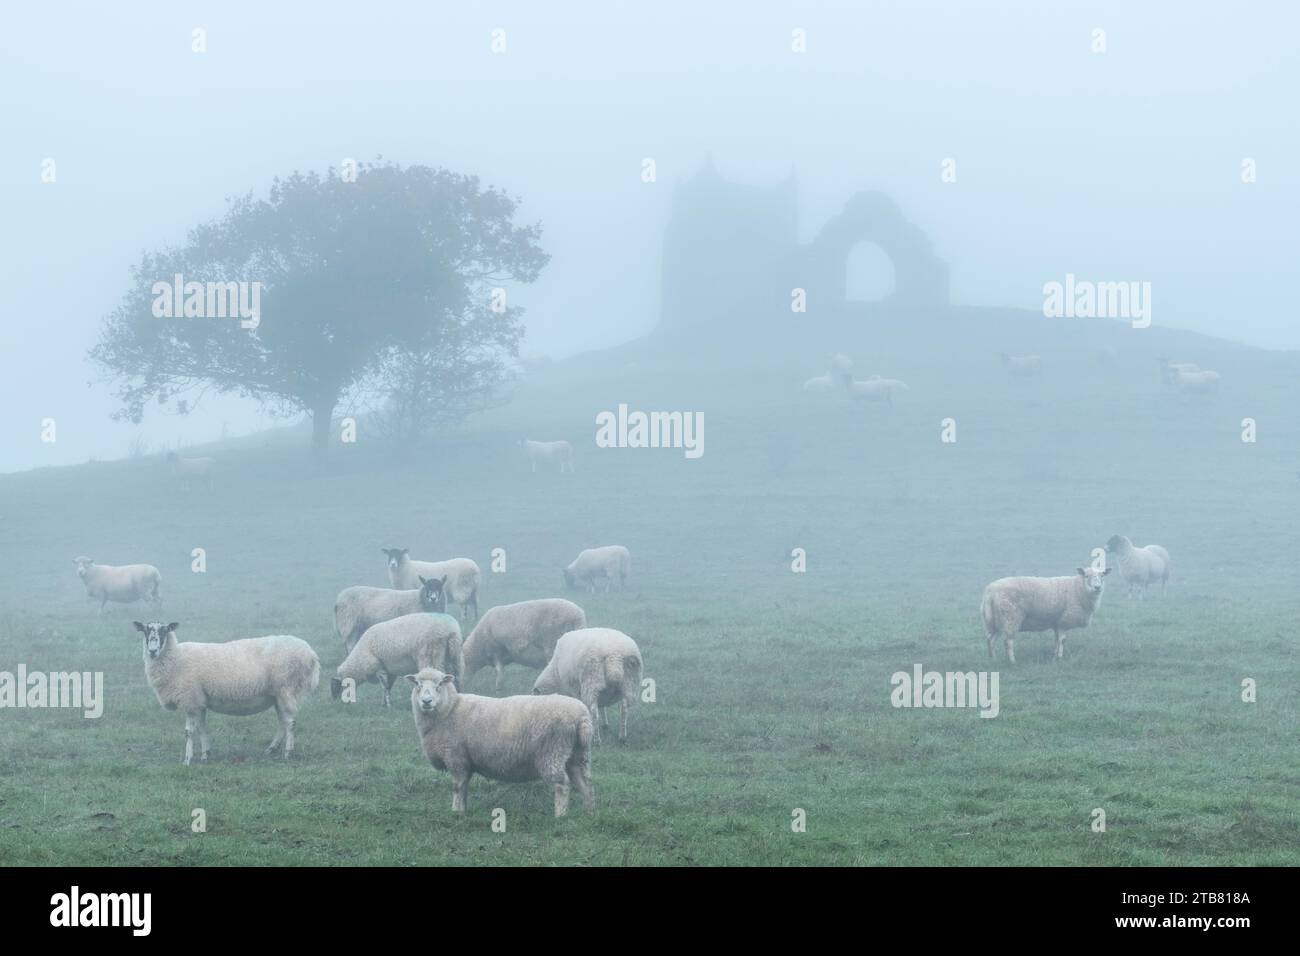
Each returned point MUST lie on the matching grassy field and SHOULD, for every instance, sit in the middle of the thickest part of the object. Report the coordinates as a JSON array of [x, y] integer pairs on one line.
[[772, 687]]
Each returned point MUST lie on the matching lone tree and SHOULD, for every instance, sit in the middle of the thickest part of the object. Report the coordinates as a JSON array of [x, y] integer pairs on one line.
[[360, 280]]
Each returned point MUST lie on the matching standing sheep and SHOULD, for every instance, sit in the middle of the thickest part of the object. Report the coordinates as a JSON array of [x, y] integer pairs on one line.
[[874, 389], [593, 563], [598, 665], [239, 677], [408, 643], [461, 577], [122, 583], [503, 738], [361, 607], [523, 633], [1139, 567], [559, 452], [1013, 605]]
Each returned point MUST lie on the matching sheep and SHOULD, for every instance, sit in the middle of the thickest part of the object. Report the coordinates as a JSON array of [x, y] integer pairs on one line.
[[122, 583], [599, 563], [358, 608], [1139, 567], [1203, 381], [1023, 365], [560, 452], [523, 633], [239, 677], [820, 383], [407, 643], [461, 577], [841, 363], [1169, 370], [503, 738], [599, 666], [1013, 605], [190, 470], [874, 389]]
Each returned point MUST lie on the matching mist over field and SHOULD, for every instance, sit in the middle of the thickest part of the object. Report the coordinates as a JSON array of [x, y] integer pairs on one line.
[[801, 347]]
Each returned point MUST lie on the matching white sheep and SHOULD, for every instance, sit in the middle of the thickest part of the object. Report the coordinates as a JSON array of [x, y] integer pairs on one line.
[[820, 383], [1013, 605], [1139, 567], [598, 665], [503, 738], [189, 471], [593, 563], [523, 633], [874, 389], [361, 607], [1169, 370], [461, 577], [1021, 364], [1203, 381], [122, 583], [239, 677], [404, 644], [559, 452]]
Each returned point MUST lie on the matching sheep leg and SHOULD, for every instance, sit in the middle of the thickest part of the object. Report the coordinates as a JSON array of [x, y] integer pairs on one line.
[[622, 730], [279, 732], [460, 791], [590, 695], [500, 668], [988, 637], [203, 735], [287, 709], [386, 683], [102, 603], [1060, 645], [1011, 650], [578, 770], [190, 723], [561, 799]]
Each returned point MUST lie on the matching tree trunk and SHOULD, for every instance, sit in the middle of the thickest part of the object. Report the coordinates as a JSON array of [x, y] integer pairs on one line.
[[320, 428]]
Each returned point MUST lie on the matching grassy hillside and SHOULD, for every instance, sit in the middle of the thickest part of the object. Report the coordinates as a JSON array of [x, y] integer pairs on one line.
[[773, 687]]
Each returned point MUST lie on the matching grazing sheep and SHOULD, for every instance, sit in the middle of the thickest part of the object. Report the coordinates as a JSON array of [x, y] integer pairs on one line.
[[821, 383], [122, 583], [1139, 567], [523, 633], [408, 643], [461, 577], [503, 738], [1202, 381], [240, 677], [1169, 370], [359, 608], [599, 563], [599, 666], [874, 389], [188, 471], [559, 452], [1013, 605], [1024, 365]]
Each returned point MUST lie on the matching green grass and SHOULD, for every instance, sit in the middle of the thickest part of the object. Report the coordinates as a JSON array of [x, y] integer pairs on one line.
[[773, 688]]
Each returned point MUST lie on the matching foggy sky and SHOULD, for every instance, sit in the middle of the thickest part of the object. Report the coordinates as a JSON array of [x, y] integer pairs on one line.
[[1116, 166]]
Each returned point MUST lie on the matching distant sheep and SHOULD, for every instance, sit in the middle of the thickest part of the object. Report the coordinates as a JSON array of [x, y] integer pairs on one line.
[[239, 677], [1201, 381], [820, 383], [1139, 567], [462, 577], [1169, 370], [359, 608], [599, 563], [1022, 365], [874, 389], [390, 649], [190, 471], [559, 453], [1014, 605], [121, 583], [523, 633], [598, 665], [503, 738]]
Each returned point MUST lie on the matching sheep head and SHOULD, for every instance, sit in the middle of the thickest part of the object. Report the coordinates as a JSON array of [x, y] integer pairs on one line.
[[433, 594], [155, 636], [434, 691]]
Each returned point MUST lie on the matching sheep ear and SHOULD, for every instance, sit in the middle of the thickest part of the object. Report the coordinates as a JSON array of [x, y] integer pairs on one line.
[[423, 579], [1081, 571], [172, 626], [443, 582], [412, 678], [445, 678], [1106, 572], [138, 626]]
